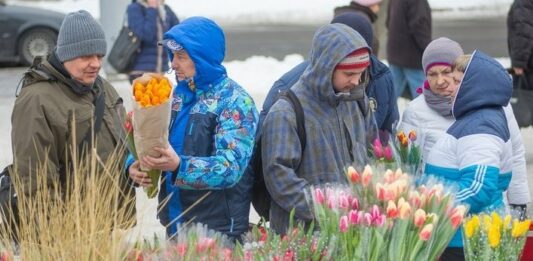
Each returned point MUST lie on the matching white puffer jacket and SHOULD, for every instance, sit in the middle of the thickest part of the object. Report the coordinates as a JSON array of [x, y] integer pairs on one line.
[[430, 126]]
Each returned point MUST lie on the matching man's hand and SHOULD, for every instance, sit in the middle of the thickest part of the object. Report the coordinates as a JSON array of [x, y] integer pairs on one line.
[[168, 161], [518, 71], [139, 176]]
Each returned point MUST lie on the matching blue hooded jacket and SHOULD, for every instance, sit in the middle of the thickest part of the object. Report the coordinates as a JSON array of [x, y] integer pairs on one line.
[[212, 130], [476, 153]]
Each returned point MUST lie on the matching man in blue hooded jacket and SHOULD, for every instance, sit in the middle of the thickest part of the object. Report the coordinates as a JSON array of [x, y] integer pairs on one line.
[[213, 122]]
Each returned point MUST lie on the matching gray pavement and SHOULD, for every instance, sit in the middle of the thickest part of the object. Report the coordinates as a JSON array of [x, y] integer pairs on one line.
[[487, 34]]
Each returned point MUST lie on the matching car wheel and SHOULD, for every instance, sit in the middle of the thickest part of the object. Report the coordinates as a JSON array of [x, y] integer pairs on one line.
[[36, 42]]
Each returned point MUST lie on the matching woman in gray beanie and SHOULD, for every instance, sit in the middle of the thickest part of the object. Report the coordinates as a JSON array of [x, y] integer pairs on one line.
[[430, 116], [60, 96]]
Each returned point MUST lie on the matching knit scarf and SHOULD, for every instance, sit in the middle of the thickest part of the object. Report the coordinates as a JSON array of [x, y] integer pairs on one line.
[[441, 104]]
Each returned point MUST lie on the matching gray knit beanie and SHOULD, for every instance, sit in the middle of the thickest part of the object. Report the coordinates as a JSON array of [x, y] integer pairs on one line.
[[80, 35], [441, 51]]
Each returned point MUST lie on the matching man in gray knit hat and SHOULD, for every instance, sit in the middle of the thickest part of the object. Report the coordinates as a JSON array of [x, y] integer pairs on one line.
[[65, 104]]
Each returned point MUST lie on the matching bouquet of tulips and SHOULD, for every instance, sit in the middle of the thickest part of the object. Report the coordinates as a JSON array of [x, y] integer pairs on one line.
[[409, 151], [494, 237], [299, 243], [192, 242], [148, 125], [385, 216]]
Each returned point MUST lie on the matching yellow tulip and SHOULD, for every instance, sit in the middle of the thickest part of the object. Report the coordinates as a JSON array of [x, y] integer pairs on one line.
[[471, 226], [507, 221], [494, 236], [520, 228]]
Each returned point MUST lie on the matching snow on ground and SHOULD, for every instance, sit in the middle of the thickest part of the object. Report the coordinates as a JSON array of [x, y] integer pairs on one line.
[[279, 11]]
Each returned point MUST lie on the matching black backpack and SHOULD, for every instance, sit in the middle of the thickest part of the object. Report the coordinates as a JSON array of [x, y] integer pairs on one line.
[[260, 197]]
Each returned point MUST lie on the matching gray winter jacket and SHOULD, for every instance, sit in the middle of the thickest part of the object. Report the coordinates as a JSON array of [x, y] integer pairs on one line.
[[334, 125]]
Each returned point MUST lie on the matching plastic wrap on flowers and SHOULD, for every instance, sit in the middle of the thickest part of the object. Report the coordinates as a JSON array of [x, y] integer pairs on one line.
[[193, 242], [151, 117], [299, 243], [494, 236], [385, 216]]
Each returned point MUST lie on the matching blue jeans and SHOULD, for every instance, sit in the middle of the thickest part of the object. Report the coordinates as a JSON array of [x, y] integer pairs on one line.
[[402, 76]]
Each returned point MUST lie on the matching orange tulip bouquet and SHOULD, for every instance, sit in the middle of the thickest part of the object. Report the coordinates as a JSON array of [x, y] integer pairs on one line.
[[150, 120]]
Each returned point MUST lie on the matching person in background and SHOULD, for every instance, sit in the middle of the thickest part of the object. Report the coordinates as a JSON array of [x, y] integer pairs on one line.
[[149, 19], [367, 8], [54, 112], [409, 32], [520, 43], [475, 153], [332, 94], [212, 127], [380, 89]]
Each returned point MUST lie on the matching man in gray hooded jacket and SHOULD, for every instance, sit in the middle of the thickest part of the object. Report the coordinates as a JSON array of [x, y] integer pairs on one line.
[[332, 94]]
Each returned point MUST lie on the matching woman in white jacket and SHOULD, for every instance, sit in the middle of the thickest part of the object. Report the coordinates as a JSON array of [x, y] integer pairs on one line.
[[430, 114]]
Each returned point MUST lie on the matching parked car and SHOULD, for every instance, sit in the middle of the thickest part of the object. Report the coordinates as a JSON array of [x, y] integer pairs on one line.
[[26, 32]]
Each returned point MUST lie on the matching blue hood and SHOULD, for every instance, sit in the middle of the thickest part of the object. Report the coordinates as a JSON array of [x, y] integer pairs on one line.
[[331, 44], [485, 84], [204, 41]]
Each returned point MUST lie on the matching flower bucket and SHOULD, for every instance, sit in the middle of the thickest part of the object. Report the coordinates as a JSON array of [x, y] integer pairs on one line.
[[527, 254]]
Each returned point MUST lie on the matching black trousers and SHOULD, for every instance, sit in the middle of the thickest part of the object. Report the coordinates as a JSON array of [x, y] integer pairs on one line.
[[453, 254]]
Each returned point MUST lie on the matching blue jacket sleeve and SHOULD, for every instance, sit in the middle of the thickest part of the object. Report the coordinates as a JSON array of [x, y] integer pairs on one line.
[[234, 141], [479, 167], [142, 21]]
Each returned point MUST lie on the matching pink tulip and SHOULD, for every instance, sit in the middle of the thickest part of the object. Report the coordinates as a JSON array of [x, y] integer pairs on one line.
[[379, 221], [378, 152], [355, 204], [289, 255], [420, 217], [367, 218], [181, 249], [392, 210], [355, 217], [377, 143], [367, 176], [425, 234], [319, 196], [228, 254], [387, 152], [456, 216], [352, 175], [205, 244], [375, 212], [380, 191], [415, 199], [330, 202], [343, 224], [344, 203]]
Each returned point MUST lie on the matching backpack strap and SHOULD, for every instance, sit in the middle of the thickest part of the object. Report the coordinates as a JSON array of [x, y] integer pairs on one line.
[[99, 104], [290, 96]]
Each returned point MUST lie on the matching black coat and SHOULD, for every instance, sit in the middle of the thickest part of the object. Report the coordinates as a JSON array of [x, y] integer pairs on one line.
[[520, 34], [366, 12], [409, 25]]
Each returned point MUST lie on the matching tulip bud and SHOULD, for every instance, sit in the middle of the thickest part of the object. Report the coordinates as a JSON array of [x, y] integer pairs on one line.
[[420, 217], [425, 234], [319, 196], [343, 224], [387, 153], [352, 175], [367, 175], [392, 210]]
